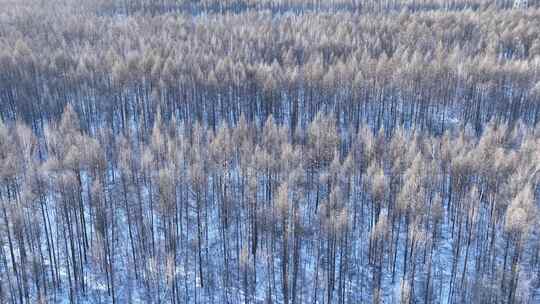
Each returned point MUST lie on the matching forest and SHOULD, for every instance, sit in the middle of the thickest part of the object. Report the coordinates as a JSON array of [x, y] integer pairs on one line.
[[271, 151]]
